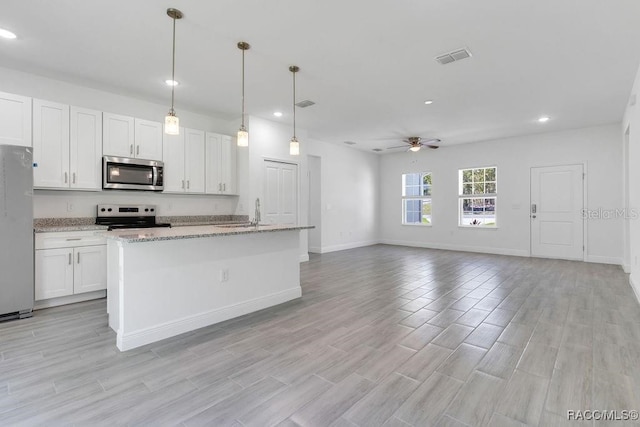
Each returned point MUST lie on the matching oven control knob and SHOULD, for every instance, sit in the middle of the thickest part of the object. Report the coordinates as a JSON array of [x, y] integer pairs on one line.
[[152, 209], [102, 210], [146, 210], [109, 210]]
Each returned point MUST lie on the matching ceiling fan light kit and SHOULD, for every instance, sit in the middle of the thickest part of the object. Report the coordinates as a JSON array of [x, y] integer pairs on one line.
[[417, 142]]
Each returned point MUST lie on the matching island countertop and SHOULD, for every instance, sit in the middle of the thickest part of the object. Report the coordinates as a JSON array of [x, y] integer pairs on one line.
[[195, 232]]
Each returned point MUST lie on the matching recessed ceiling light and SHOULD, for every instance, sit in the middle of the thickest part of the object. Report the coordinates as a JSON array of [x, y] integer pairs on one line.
[[7, 34], [349, 142], [543, 119], [172, 82], [277, 114], [428, 102]]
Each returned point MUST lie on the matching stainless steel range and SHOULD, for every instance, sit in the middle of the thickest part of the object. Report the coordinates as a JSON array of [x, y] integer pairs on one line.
[[128, 216]]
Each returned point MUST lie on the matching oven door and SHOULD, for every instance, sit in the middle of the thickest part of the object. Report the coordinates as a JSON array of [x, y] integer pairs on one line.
[[122, 173]]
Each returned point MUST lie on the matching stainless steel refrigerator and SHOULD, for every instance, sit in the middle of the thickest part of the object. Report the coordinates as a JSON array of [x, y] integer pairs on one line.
[[16, 232]]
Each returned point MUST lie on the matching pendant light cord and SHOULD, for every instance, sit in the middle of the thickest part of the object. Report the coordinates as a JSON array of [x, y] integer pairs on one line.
[[294, 105], [173, 66], [243, 88]]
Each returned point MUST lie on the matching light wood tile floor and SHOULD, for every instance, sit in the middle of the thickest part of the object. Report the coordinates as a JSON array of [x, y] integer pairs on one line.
[[383, 335]]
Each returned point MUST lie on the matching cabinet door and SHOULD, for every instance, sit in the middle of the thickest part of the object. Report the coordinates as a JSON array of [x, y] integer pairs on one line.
[[213, 185], [195, 163], [54, 273], [15, 120], [86, 149], [173, 154], [50, 144], [117, 135], [90, 272], [228, 164], [148, 137]]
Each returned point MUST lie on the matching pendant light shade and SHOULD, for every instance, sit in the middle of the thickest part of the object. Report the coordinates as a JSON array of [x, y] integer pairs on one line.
[[171, 121], [294, 144], [243, 134]]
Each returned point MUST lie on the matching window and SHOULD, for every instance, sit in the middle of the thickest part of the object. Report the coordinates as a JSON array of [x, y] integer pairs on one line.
[[416, 198], [477, 196]]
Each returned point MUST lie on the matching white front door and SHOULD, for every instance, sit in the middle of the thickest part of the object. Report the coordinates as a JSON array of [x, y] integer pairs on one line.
[[280, 205], [556, 212]]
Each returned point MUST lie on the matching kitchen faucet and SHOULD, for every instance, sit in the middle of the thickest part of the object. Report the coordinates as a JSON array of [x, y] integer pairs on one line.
[[257, 218]]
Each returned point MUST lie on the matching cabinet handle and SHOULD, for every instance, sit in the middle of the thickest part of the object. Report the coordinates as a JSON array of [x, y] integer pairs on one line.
[[224, 186], [187, 184], [75, 238], [137, 150], [74, 178], [78, 257], [219, 186], [70, 258], [131, 149], [183, 184], [66, 177]]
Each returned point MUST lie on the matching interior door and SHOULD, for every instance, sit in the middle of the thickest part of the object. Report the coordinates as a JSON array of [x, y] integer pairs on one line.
[[556, 212], [280, 193]]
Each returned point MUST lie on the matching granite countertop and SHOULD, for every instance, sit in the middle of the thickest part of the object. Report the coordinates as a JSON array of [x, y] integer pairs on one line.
[[194, 232], [46, 225]]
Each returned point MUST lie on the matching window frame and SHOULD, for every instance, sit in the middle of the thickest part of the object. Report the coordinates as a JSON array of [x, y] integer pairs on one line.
[[405, 198], [493, 196]]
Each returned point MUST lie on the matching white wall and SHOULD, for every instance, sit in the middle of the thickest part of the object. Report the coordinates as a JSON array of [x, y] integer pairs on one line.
[[348, 187], [599, 148], [631, 122], [56, 203]]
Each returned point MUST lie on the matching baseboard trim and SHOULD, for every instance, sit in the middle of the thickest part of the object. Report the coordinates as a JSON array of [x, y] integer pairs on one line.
[[70, 299], [635, 287], [304, 257], [626, 268], [597, 259], [460, 248], [345, 246], [142, 337]]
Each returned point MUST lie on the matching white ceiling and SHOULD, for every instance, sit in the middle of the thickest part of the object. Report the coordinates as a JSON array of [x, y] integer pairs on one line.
[[368, 65]]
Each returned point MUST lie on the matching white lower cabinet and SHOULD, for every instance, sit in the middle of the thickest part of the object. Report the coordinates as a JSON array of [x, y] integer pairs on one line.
[[69, 264]]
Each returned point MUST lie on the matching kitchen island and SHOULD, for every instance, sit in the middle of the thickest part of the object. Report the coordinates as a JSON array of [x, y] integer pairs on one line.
[[163, 282]]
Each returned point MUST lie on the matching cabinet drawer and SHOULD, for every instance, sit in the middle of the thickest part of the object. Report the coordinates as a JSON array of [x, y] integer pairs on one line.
[[69, 239]]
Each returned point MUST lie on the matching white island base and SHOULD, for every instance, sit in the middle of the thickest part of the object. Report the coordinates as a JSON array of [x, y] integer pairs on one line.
[[161, 288]]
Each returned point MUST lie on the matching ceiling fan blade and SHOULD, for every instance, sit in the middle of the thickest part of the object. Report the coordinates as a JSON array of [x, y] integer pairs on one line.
[[399, 146], [431, 146]]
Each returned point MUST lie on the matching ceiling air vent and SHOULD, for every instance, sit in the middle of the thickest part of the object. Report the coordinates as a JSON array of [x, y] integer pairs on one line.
[[349, 142], [455, 55], [304, 104], [377, 150]]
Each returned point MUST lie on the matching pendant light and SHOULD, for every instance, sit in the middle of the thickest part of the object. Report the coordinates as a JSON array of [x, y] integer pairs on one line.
[[171, 121], [243, 134], [294, 145]]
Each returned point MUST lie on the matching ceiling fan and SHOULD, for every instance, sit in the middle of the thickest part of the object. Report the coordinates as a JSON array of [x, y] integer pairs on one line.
[[416, 142]]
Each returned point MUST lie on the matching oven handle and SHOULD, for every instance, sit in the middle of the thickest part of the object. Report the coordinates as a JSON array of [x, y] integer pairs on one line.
[[155, 175]]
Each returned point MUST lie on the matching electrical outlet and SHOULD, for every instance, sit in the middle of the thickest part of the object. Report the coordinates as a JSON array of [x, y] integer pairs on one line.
[[224, 275], [70, 207]]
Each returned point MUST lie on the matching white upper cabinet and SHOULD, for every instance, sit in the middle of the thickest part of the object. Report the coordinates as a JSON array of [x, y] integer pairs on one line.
[[15, 120], [148, 140], [50, 144], [173, 153], [184, 162], [220, 164], [85, 149], [194, 161], [67, 146], [117, 135]]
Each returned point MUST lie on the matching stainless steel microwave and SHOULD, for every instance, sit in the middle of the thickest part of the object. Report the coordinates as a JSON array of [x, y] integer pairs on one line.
[[123, 173]]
